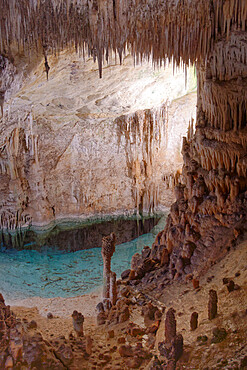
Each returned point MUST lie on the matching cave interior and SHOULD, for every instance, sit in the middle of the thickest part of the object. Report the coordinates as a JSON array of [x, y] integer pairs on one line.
[[207, 220]]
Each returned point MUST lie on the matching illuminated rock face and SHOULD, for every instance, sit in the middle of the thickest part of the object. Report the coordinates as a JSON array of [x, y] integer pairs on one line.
[[80, 146]]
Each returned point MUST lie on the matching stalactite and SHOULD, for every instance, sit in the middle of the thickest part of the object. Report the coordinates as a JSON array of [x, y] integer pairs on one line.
[[144, 135], [114, 25]]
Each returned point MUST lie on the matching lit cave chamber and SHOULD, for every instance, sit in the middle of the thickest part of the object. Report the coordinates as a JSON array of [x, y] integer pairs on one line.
[[123, 184]]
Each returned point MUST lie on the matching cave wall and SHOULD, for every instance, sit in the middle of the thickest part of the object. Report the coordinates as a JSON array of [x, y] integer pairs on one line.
[[77, 146], [209, 214]]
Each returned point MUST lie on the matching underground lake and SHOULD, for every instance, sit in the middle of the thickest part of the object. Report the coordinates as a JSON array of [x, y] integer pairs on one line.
[[65, 261]]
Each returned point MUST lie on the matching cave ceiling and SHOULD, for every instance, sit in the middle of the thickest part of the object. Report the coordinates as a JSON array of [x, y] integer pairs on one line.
[[180, 30]]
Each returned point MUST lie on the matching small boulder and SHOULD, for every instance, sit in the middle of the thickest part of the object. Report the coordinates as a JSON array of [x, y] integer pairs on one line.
[[125, 274], [219, 334]]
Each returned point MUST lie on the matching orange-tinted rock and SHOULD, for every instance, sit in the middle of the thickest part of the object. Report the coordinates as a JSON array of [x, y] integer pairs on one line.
[[170, 325], [195, 283], [212, 304], [194, 321], [154, 327], [78, 320], [126, 351], [108, 248], [134, 363]]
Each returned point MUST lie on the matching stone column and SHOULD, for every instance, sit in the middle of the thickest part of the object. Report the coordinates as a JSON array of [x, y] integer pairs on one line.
[[194, 321], [212, 304], [78, 320], [108, 248], [113, 288], [2, 93], [170, 326]]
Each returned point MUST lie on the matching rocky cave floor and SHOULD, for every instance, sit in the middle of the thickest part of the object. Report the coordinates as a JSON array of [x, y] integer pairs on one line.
[[32, 340]]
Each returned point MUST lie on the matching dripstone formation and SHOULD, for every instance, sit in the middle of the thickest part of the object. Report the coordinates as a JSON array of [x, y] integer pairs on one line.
[[170, 326], [212, 304], [78, 320], [194, 321], [108, 248]]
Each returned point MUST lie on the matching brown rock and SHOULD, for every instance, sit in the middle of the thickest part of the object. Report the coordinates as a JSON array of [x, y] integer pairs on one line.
[[164, 257], [177, 347], [134, 363], [194, 321], [89, 345], [32, 325], [230, 286], [113, 288], [9, 363], [170, 325], [132, 275], [108, 248], [212, 304], [124, 315], [125, 274], [136, 331], [171, 365], [154, 327], [101, 318], [195, 283], [126, 351], [149, 310], [111, 334], [125, 292], [78, 320], [121, 340], [65, 354]]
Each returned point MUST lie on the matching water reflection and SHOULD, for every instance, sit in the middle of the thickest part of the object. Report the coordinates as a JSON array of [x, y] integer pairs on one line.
[[73, 237], [55, 272]]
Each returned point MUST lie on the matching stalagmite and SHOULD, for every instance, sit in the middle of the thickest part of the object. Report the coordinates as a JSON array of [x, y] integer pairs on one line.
[[2, 92], [212, 304], [108, 248], [113, 288], [177, 347], [170, 326], [78, 320], [194, 321]]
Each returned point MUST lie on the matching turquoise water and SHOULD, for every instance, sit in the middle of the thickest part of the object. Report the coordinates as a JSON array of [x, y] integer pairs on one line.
[[53, 273]]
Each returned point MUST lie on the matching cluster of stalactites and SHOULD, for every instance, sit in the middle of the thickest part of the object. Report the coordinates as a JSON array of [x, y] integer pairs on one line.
[[10, 220], [157, 29], [143, 135]]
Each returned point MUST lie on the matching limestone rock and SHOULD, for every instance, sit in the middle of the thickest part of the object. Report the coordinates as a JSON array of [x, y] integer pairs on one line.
[[170, 325], [212, 304], [194, 321]]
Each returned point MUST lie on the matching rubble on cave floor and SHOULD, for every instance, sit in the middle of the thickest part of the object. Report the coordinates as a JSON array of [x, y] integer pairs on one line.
[[126, 341]]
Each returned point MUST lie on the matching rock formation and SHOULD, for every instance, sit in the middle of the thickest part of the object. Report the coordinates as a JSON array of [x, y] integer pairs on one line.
[[108, 248], [2, 100], [212, 304], [78, 320], [113, 288], [47, 175], [170, 326], [194, 321], [19, 347]]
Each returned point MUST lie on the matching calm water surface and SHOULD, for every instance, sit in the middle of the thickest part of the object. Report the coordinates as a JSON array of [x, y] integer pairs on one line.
[[63, 263]]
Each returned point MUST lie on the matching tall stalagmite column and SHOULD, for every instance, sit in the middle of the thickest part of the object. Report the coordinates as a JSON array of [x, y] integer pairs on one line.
[[113, 288], [108, 248]]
